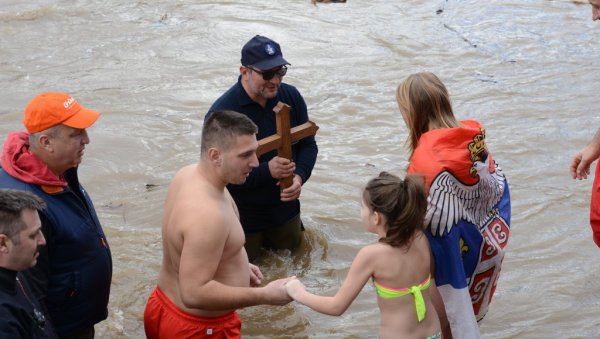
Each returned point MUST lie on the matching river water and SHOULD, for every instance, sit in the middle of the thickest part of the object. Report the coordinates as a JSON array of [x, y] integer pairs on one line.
[[528, 70]]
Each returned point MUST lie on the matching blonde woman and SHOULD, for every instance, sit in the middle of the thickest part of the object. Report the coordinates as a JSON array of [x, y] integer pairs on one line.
[[468, 213]]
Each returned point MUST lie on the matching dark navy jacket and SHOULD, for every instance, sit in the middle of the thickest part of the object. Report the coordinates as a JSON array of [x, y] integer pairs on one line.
[[20, 313], [74, 271], [258, 199]]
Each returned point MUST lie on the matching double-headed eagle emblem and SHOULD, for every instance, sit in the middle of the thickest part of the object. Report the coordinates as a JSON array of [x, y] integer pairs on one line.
[[450, 200]]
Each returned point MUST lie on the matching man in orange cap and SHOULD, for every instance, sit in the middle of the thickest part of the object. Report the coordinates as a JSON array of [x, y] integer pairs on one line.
[[73, 274]]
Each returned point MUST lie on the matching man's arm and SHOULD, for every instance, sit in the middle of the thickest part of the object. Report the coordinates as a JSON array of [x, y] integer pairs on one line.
[[201, 257], [580, 165]]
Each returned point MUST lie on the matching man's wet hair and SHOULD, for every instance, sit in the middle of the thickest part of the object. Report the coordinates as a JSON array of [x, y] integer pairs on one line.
[[222, 127]]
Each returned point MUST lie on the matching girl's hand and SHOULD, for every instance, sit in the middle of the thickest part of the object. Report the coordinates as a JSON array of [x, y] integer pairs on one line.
[[294, 287]]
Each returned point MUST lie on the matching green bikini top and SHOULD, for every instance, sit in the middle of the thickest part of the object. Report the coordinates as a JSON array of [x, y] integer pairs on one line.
[[387, 293]]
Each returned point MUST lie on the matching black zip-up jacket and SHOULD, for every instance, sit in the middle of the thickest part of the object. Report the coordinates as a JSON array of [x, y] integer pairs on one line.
[[20, 314]]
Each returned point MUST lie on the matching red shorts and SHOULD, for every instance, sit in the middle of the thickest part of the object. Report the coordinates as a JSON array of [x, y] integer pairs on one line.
[[164, 320], [595, 207]]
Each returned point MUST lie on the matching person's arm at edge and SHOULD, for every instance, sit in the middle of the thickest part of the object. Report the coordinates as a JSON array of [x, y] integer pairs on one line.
[[580, 165]]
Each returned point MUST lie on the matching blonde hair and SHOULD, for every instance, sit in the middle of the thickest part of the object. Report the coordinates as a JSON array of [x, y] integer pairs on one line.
[[424, 101]]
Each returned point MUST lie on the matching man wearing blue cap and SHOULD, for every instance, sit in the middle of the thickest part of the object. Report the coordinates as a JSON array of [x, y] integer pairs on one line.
[[270, 217]]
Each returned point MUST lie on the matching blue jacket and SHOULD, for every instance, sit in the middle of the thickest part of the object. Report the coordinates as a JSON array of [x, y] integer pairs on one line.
[[74, 271], [258, 199]]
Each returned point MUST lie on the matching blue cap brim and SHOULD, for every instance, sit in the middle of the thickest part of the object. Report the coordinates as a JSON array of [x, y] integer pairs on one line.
[[275, 62]]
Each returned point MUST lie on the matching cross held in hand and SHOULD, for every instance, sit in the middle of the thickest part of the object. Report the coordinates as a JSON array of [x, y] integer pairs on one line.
[[285, 136]]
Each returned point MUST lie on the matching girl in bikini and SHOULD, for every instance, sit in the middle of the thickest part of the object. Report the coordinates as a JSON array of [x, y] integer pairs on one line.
[[398, 264]]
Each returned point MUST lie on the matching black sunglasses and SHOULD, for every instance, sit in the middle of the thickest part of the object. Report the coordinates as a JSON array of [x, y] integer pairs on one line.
[[270, 74]]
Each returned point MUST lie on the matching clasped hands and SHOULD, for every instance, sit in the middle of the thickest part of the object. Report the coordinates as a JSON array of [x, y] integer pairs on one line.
[[281, 291]]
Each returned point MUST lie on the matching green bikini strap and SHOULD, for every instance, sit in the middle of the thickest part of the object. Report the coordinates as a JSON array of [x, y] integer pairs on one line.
[[387, 293], [419, 302]]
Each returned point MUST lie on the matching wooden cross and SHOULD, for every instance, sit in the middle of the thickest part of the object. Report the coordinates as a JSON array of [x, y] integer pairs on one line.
[[285, 136]]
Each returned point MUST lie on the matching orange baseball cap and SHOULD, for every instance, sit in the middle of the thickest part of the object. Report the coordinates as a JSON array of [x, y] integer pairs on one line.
[[50, 109]]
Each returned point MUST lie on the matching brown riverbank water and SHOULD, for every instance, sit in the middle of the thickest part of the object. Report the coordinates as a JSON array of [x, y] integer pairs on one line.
[[528, 70]]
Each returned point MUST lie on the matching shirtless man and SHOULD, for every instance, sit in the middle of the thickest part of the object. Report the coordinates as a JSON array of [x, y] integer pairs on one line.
[[205, 274]]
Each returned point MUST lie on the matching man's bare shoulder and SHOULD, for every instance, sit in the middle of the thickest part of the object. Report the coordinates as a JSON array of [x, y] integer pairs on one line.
[[192, 201], [190, 184]]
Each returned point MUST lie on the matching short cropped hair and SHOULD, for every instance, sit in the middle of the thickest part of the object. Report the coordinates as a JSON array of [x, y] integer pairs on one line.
[[222, 127], [12, 203], [403, 203]]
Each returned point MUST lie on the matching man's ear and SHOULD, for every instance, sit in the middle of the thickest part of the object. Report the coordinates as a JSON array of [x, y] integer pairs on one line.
[[44, 141], [214, 155], [243, 70], [4, 240]]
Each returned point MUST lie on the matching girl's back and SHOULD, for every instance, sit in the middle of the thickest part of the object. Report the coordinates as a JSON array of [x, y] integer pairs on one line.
[[402, 282], [399, 263]]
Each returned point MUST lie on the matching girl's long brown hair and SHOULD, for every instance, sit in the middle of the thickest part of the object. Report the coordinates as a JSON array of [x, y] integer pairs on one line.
[[403, 203]]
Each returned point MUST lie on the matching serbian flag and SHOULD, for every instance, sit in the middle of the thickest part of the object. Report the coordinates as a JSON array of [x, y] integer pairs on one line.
[[467, 221]]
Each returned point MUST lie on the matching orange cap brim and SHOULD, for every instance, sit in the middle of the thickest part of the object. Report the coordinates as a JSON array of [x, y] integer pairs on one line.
[[82, 119]]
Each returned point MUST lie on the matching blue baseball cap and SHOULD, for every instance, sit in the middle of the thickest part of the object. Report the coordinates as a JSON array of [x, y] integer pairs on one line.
[[262, 53]]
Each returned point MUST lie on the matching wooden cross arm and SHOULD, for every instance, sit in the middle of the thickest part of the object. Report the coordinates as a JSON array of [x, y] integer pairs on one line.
[[274, 141]]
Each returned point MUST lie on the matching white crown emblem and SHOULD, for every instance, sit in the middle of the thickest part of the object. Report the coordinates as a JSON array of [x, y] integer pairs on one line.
[[269, 49]]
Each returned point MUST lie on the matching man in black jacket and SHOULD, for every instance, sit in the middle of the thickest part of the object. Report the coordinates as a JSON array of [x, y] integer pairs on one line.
[[20, 239]]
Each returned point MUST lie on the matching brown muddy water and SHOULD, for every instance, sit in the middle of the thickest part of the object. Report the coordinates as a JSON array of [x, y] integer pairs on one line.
[[528, 70]]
